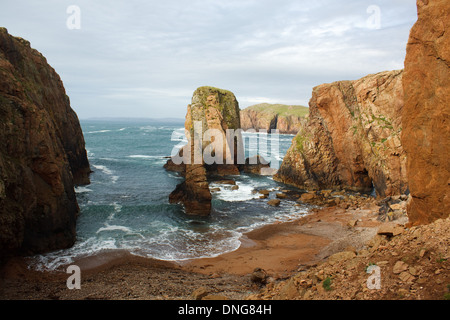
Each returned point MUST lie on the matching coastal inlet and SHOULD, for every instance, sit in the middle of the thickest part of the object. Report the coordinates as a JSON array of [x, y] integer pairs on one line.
[[126, 205]]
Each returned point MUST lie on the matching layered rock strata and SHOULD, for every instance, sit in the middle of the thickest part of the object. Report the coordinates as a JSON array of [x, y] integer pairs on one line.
[[209, 150], [426, 114], [267, 117], [42, 153], [351, 139]]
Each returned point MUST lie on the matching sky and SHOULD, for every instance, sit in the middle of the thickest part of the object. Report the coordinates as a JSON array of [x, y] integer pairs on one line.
[[145, 58]]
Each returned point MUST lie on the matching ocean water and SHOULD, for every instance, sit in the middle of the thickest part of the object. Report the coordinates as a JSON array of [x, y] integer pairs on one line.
[[126, 205]]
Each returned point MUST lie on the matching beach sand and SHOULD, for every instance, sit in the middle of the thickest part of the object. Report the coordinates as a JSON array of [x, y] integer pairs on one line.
[[279, 249]]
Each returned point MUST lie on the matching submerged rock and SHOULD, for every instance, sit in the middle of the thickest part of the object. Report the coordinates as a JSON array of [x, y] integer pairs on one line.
[[274, 202]]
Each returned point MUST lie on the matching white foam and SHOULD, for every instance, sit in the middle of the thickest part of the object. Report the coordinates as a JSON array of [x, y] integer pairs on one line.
[[190, 245], [107, 171], [90, 154], [179, 135], [148, 128], [55, 260], [244, 193], [82, 189], [103, 168], [117, 209], [100, 131], [114, 228], [171, 243]]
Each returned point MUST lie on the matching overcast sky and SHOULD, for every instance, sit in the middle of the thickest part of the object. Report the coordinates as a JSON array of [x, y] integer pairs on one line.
[[145, 58]]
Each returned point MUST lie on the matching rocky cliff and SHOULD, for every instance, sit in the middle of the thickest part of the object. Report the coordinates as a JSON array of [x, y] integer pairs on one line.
[[426, 114], [42, 153], [351, 139], [286, 119], [211, 109]]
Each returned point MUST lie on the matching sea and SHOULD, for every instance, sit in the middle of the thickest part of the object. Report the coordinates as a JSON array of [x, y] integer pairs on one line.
[[126, 206]]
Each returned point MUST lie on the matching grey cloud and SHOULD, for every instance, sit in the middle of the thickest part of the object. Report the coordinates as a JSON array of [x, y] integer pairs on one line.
[[145, 58]]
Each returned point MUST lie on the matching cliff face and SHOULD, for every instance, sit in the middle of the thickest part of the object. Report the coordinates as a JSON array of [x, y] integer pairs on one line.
[[211, 109], [42, 153], [267, 117], [426, 119], [351, 139]]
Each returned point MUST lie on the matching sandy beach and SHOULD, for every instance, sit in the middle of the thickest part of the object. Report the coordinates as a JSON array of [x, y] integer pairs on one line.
[[279, 249]]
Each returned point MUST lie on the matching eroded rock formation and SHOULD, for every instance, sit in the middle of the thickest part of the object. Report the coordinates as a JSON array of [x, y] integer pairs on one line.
[[351, 139], [42, 153], [267, 117], [426, 114], [215, 111]]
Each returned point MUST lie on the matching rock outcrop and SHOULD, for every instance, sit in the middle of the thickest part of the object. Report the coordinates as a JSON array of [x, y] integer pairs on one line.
[[212, 111], [42, 153], [426, 114], [267, 117], [351, 139]]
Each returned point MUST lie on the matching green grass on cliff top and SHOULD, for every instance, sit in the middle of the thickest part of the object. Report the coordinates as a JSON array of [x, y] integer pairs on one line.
[[280, 109]]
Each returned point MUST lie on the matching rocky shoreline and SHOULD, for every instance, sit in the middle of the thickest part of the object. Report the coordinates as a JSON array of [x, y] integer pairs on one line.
[[281, 261], [388, 131]]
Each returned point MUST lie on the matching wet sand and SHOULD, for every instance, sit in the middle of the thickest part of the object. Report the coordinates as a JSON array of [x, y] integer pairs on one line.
[[280, 249]]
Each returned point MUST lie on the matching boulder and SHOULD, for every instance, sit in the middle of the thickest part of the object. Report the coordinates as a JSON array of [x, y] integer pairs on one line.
[[259, 276], [274, 202], [308, 196], [341, 257], [390, 230], [256, 165], [199, 293], [400, 267]]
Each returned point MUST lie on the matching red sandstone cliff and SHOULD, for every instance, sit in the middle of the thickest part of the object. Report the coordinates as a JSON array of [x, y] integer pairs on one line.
[[426, 114], [42, 153], [266, 117], [351, 139]]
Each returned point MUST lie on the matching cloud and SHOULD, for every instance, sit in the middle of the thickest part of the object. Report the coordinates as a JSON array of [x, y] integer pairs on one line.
[[146, 58]]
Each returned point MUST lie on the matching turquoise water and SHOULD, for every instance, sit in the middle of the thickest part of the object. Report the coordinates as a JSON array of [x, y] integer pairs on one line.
[[126, 205]]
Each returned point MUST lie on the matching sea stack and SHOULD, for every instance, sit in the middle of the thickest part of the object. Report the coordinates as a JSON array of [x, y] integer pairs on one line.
[[213, 111], [42, 153], [351, 139], [426, 114]]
